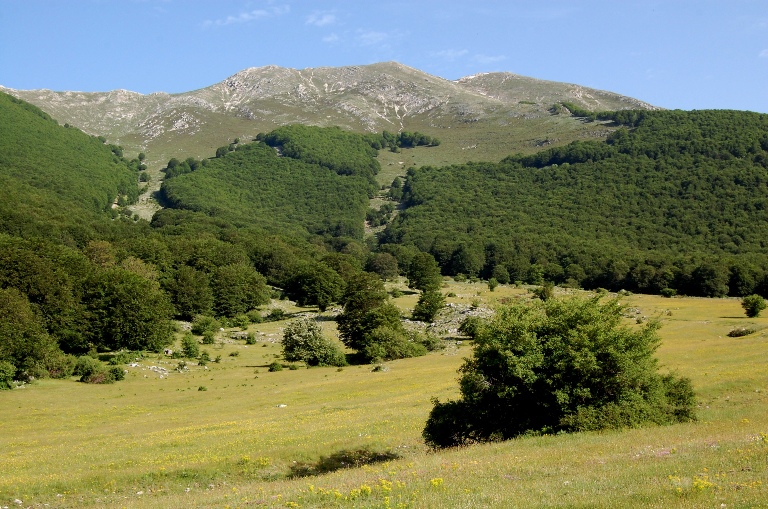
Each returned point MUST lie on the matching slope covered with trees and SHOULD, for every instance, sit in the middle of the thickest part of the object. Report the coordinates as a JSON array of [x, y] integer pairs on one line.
[[319, 185], [55, 180], [672, 201]]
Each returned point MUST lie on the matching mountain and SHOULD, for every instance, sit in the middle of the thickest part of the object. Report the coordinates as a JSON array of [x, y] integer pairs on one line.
[[486, 116]]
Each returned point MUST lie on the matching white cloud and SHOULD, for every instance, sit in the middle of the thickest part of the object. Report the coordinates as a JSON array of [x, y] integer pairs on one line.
[[331, 38], [764, 53], [488, 59], [371, 37], [449, 54], [319, 19], [246, 17]]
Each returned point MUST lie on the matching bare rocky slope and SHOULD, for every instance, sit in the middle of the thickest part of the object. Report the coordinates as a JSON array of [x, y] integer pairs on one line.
[[371, 98]]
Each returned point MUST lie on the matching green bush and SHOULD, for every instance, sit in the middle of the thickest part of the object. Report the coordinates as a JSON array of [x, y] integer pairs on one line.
[[275, 315], [209, 337], [92, 371], [240, 320], [189, 347], [430, 302], [386, 344], [303, 340], [753, 305], [740, 331], [203, 323], [7, 372], [117, 373], [558, 366], [470, 326], [250, 339], [275, 366], [254, 316]]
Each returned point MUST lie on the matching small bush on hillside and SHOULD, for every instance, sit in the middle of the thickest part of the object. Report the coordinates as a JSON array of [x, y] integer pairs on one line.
[[209, 337], [386, 344], [203, 323], [740, 331], [275, 315], [558, 366], [753, 305], [275, 366], [254, 316], [189, 347], [7, 371], [250, 339], [117, 373], [430, 302], [241, 321], [303, 341], [92, 371], [470, 326]]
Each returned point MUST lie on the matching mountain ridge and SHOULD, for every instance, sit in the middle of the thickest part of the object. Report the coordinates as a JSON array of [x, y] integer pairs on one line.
[[366, 98]]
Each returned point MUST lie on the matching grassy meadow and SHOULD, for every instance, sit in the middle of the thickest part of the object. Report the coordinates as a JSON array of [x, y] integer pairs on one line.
[[228, 434]]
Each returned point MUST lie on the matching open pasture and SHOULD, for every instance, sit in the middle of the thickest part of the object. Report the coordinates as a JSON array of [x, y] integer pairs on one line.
[[229, 435]]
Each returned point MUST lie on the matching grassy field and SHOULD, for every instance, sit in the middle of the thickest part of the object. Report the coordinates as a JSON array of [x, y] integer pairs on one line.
[[229, 435]]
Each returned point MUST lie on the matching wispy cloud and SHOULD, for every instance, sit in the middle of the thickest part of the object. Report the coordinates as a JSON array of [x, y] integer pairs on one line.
[[371, 37], [764, 53], [449, 54], [247, 17], [488, 59], [331, 38], [320, 19]]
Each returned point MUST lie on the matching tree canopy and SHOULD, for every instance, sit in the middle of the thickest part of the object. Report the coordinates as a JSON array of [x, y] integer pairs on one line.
[[559, 365]]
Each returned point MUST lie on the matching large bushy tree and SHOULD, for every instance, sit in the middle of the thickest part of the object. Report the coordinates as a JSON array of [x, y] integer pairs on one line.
[[303, 340], [559, 365]]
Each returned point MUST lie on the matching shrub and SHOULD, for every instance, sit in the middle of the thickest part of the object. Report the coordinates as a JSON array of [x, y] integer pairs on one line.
[[241, 321], [386, 344], [396, 293], [430, 302], [189, 347], [558, 366], [470, 326], [740, 331], [7, 372], [493, 283], [209, 337], [123, 357], [275, 315], [254, 316], [117, 373], [275, 366], [545, 292], [92, 371], [753, 305], [668, 292], [303, 340], [203, 323], [250, 339]]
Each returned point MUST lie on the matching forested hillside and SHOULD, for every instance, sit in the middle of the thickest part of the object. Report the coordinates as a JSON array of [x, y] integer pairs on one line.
[[673, 200], [54, 181], [253, 186]]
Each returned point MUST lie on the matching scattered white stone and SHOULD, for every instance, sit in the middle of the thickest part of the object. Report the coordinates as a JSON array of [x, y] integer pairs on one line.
[[18, 502], [139, 492], [281, 405]]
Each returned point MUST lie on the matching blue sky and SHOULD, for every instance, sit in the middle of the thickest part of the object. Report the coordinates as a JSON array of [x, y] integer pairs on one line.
[[688, 54]]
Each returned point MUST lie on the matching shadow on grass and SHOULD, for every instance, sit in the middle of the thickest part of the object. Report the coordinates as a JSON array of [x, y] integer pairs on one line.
[[342, 459]]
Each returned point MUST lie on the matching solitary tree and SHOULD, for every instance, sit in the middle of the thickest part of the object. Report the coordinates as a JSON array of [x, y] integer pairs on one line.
[[559, 365], [303, 340], [753, 305]]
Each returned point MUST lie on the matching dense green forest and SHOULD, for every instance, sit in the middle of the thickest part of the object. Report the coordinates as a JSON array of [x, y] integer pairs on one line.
[[253, 186], [671, 201]]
